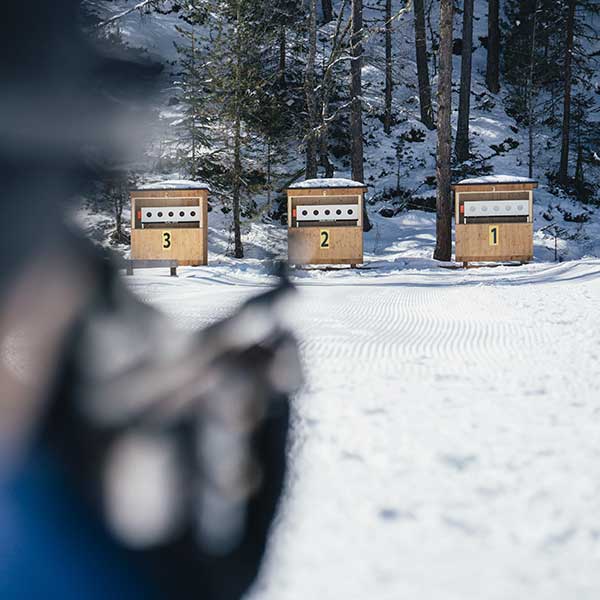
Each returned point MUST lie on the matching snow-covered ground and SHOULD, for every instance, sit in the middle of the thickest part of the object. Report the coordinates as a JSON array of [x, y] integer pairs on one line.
[[446, 442]]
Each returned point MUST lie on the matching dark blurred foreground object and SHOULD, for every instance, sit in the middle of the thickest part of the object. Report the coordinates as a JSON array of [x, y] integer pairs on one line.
[[157, 460], [70, 104], [136, 460]]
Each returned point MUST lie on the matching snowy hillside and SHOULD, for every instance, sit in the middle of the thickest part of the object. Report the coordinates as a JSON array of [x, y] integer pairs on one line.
[[398, 179]]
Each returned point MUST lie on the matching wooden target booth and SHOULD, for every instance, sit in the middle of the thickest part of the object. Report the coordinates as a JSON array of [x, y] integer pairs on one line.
[[325, 222], [494, 219], [169, 221]]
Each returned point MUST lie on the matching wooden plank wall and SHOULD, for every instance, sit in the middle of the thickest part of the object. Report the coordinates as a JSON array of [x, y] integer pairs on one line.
[[345, 246], [189, 245], [515, 240], [345, 242]]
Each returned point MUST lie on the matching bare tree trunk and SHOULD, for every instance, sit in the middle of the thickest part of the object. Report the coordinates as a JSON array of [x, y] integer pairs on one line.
[[324, 137], [432, 34], [563, 173], [269, 187], [530, 84], [120, 190], [579, 177], [327, 11], [309, 91], [464, 106], [194, 162], [389, 80], [492, 74], [422, 66], [443, 248], [282, 55], [338, 48], [356, 125], [324, 156], [238, 250]]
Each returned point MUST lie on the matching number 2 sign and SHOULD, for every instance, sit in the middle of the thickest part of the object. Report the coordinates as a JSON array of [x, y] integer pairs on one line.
[[324, 234]]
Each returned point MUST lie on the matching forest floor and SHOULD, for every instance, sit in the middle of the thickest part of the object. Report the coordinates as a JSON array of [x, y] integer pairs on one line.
[[445, 443]]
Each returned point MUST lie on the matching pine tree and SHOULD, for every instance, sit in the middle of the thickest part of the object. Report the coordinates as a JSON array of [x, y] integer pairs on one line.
[[356, 124], [425, 103], [227, 64], [310, 93], [192, 126], [545, 64], [492, 73], [464, 107], [389, 79], [443, 248], [329, 82], [530, 86], [284, 16], [563, 172], [327, 11], [578, 70], [518, 58]]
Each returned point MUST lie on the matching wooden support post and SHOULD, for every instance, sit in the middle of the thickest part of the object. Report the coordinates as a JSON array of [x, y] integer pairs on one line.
[[132, 264], [465, 265]]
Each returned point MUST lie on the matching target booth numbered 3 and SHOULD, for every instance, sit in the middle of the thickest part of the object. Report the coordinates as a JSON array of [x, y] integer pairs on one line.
[[325, 222], [169, 221], [494, 219]]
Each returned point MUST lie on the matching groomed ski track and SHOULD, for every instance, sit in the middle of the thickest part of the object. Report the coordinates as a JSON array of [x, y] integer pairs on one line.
[[446, 444]]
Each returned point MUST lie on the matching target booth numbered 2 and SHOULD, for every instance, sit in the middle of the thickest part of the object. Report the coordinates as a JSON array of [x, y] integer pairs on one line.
[[325, 222], [494, 219], [169, 221]]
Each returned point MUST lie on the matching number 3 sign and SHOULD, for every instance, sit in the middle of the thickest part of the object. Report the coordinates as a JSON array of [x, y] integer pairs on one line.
[[167, 240]]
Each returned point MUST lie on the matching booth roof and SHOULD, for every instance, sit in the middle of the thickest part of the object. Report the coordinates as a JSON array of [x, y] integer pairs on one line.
[[327, 183], [496, 179], [175, 184]]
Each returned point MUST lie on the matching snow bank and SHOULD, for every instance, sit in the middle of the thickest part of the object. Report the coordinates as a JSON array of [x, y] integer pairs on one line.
[[335, 182], [496, 179], [176, 184]]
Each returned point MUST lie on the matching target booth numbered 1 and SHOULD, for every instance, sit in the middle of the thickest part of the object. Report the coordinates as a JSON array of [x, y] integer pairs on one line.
[[169, 221], [325, 222], [494, 219]]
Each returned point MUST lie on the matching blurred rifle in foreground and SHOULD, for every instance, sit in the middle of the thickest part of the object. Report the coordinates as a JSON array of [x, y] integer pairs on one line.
[[136, 460], [171, 443]]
